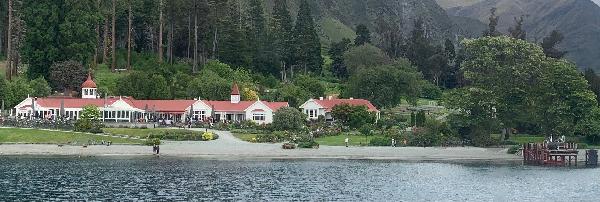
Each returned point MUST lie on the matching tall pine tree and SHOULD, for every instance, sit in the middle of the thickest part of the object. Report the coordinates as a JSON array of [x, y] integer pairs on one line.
[[262, 55], [281, 32], [308, 46], [363, 35]]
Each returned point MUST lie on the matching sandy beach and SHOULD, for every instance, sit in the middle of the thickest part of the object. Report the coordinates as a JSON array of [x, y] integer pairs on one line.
[[227, 146]]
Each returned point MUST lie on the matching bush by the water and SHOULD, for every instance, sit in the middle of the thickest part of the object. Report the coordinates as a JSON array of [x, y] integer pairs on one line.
[[380, 141], [514, 149]]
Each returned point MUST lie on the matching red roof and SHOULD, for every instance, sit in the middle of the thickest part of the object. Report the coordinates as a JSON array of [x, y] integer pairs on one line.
[[276, 105], [235, 90], [163, 105], [329, 104], [172, 106], [73, 102], [89, 83], [227, 106]]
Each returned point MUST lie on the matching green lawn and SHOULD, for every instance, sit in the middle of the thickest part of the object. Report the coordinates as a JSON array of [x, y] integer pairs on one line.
[[142, 133], [522, 139], [15, 135], [354, 140]]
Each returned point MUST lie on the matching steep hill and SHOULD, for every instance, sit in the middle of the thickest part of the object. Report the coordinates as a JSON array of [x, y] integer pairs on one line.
[[337, 18], [577, 20]]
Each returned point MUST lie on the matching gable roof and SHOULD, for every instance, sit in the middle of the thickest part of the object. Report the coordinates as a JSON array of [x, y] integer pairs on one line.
[[328, 104], [276, 105]]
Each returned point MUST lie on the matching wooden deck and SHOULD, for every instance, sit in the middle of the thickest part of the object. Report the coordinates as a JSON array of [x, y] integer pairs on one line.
[[554, 154]]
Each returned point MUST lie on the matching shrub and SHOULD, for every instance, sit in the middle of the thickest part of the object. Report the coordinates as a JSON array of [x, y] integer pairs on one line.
[[484, 141], [151, 142], [421, 137], [381, 141], [288, 118], [514, 149], [207, 136]]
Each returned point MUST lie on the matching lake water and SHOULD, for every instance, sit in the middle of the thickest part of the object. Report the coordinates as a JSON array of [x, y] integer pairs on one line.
[[188, 179]]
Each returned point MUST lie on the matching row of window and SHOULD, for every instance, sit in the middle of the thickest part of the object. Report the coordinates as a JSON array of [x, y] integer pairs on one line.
[[89, 91], [259, 117]]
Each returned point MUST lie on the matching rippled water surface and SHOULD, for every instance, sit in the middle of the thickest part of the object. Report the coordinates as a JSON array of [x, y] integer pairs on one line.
[[170, 179]]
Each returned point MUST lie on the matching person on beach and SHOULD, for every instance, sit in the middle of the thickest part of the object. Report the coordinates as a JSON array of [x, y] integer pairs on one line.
[[154, 149], [393, 142], [346, 141], [157, 149]]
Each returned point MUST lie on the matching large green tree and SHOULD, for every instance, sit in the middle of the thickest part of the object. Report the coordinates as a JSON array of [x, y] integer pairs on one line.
[[511, 81], [281, 30], [386, 85], [58, 31], [308, 46]]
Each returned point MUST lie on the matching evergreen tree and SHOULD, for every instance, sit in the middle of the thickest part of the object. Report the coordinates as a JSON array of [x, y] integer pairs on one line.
[[492, 31], [549, 44], [363, 35], [517, 31], [336, 52], [58, 31], [419, 48], [262, 56], [281, 30], [308, 46], [594, 80], [233, 48]]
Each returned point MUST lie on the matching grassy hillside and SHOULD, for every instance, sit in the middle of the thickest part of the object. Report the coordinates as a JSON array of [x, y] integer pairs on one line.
[[333, 30]]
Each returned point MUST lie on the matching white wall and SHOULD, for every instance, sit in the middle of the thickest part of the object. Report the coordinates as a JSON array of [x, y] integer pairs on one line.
[[258, 105]]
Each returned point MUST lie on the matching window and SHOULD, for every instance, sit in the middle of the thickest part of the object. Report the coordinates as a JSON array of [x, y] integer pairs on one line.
[[199, 115], [312, 113], [258, 117]]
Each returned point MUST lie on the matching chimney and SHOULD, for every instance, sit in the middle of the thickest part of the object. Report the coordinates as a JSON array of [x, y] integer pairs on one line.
[[320, 98]]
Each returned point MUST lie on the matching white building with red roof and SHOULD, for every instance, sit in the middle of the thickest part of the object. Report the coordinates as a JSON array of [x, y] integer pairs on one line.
[[126, 109], [314, 108]]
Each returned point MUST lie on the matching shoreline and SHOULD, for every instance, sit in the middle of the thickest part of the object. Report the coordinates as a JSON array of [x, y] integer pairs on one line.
[[267, 152]]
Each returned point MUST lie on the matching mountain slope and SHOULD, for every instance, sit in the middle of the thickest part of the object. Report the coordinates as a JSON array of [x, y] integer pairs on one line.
[[577, 20], [345, 15]]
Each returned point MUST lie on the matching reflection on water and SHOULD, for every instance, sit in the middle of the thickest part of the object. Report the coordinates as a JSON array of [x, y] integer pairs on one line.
[[169, 179]]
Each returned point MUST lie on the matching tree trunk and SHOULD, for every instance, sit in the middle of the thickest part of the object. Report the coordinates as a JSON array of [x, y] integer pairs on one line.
[[114, 36], [160, 33], [105, 44], [215, 41], [189, 36], [195, 63], [9, 43], [508, 133], [129, 37], [170, 48]]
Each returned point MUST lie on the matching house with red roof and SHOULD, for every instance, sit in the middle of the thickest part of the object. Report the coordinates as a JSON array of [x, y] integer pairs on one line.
[[127, 109], [314, 108]]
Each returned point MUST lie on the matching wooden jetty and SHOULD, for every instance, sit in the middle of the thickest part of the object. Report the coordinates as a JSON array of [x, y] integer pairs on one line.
[[553, 154]]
